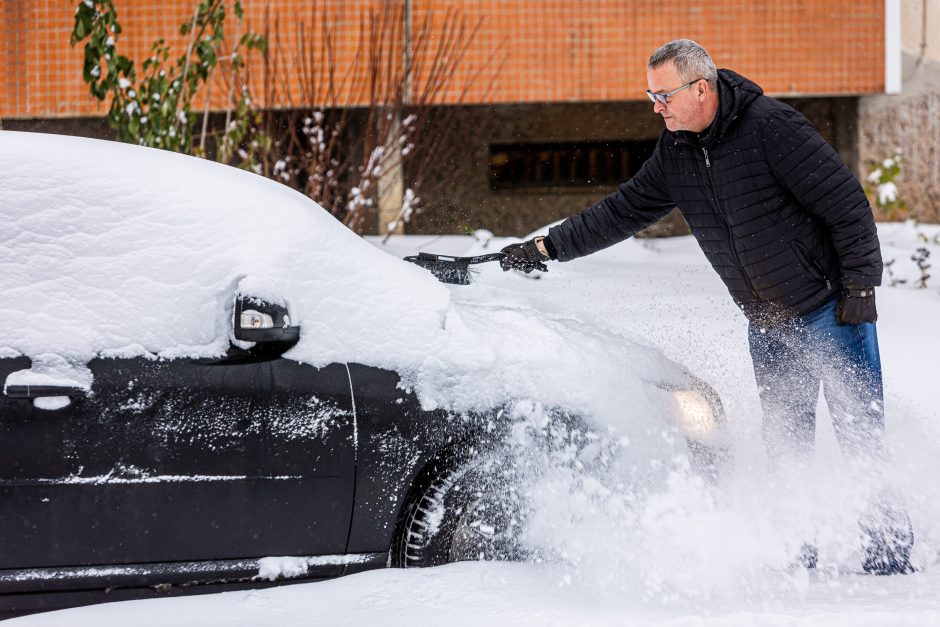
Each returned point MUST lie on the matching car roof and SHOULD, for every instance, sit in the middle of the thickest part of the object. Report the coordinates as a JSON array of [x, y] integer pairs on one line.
[[115, 247]]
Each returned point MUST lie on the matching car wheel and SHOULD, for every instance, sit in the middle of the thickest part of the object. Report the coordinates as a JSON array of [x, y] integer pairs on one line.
[[470, 511]]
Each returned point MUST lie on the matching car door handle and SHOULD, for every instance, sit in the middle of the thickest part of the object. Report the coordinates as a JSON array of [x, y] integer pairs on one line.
[[40, 391]]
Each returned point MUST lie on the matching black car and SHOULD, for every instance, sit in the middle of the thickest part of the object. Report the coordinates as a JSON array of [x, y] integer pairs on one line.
[[144, 473]]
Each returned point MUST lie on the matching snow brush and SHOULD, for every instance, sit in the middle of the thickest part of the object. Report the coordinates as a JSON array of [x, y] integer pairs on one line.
[[448, 269]]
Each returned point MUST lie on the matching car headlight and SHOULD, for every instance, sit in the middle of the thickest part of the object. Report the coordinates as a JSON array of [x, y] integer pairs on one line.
[[696, 416]]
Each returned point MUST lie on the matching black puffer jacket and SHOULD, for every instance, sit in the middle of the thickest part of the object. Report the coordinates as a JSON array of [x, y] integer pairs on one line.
[[777, 213]]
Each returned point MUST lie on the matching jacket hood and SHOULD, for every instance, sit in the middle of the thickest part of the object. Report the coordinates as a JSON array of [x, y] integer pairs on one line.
[[735, 94]]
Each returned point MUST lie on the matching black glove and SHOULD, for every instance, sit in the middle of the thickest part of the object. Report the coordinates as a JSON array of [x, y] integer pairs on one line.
[[525, 256], [856, 305]]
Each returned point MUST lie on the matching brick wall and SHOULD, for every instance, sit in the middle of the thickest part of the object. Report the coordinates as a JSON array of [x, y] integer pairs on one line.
[[567, 50], [523, 51]]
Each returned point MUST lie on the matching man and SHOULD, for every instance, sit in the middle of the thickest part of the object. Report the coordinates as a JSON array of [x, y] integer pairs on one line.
[[790, 232]]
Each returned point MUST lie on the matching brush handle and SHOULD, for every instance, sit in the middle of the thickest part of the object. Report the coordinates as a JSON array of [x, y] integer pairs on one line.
[[461, 260]]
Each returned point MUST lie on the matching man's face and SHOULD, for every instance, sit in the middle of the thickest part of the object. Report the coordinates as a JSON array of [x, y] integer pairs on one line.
[[686, 109]]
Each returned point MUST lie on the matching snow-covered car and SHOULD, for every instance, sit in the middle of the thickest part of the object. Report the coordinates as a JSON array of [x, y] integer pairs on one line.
[[211, 383]]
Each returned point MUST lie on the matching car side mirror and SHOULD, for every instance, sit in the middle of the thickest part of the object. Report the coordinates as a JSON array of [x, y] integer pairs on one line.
[[257, 320]]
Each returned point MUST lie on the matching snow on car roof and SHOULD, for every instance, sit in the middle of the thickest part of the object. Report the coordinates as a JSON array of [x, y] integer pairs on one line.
[[118, 250]]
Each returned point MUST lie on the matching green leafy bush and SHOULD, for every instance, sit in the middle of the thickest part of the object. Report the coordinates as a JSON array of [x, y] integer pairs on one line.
[[155, 106]]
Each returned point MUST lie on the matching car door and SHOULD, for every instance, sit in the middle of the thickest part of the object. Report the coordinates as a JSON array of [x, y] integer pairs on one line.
[[173, 460]]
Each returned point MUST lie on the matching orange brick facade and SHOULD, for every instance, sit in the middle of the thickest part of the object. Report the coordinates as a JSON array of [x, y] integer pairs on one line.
[[524, 51]]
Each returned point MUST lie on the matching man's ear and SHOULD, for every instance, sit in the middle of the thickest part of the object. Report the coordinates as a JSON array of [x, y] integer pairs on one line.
[[703, 88]]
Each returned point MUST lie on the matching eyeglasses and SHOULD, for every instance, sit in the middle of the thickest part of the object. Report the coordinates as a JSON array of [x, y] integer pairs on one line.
[[664, 98]]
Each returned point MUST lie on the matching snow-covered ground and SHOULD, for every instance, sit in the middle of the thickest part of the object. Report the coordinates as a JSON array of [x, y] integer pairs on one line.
[[689, 554]]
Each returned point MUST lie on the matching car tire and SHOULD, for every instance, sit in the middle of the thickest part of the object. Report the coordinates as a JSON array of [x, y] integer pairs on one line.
[[471, 510]]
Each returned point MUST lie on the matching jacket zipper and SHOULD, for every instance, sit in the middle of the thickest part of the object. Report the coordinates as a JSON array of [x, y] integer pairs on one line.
[[734, 251]]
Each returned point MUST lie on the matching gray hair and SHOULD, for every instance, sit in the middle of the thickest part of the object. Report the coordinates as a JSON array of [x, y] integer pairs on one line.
[[692, 61]]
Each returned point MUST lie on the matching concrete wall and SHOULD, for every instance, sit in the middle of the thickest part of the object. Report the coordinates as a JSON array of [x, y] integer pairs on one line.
[[910, 120], [471, 204], [96, 128], [920, 28]]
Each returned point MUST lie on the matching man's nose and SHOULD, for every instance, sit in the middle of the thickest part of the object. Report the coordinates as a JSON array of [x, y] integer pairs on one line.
[[658, 107]]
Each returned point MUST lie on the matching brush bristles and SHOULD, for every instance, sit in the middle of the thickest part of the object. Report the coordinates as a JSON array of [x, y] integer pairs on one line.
[[455, 274], [453, 270]]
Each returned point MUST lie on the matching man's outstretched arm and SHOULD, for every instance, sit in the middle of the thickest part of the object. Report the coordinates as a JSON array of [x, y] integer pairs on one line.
[[637, 203]]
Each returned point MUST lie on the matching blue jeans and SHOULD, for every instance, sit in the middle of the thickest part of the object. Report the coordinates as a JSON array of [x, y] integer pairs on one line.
[[791, 360]]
